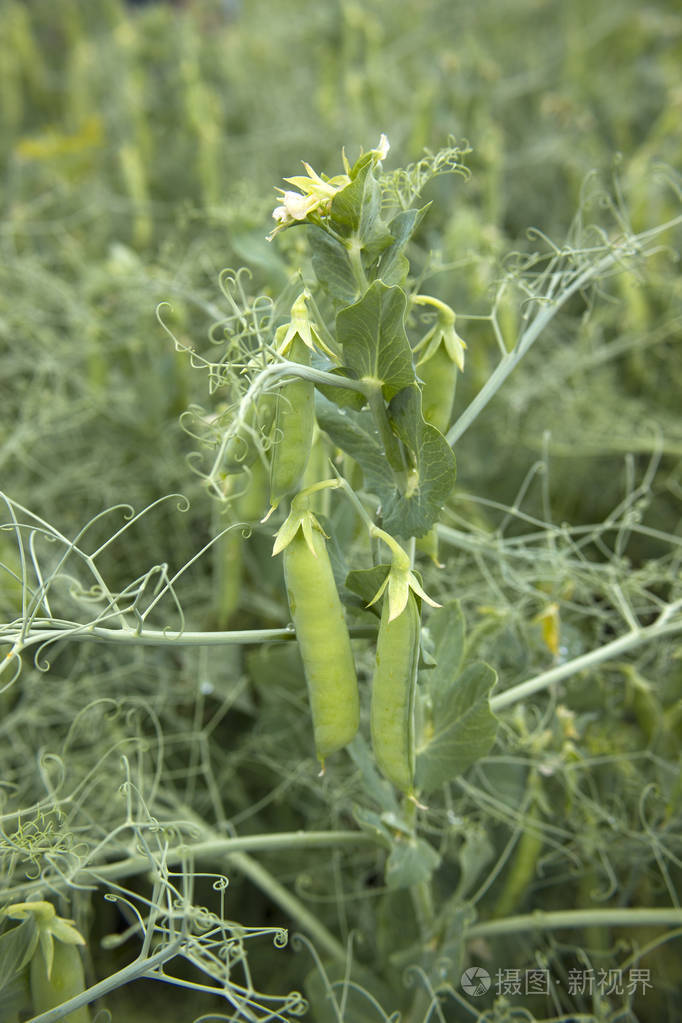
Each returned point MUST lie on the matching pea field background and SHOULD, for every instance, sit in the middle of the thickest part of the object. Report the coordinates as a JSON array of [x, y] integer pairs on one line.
[[158, 779]]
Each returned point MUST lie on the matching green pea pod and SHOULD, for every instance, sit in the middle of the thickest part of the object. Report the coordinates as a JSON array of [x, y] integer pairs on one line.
[[293, 429], [243, 448], [66, 980], [228, 551], [438, 374], [324, 643], [522, 869], [393, 694]]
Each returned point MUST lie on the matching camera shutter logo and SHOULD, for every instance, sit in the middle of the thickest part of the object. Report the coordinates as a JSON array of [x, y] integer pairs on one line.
[[475, 981]]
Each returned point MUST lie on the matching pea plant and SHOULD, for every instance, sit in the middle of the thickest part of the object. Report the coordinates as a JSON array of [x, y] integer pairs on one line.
[[325, 447]]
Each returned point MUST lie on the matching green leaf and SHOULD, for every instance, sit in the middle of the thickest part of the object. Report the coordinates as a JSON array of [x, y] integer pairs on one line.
[[355, 208], [16, 949], [375, 344], [13, 998], [452, 926], [445, 629], [356, 434], [366, 582], [394, 265], [410, 862], [362, 161], [410, 514], [433, 476], [374, 786], [331, 266], [464, 727]]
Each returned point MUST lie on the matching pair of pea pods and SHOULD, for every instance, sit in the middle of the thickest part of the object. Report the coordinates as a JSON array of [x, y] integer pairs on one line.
[[325, 647]]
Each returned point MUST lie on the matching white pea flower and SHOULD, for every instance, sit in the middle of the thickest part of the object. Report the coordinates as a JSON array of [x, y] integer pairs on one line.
[[383, 148], [316, 192]]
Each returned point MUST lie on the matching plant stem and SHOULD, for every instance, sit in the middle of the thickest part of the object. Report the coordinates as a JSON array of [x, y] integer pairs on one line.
[[213, 848], [578, 918], [217, 847], [391, 443], [509, 362], [354, 250], [159, 637], [615, 648], [140, 968]]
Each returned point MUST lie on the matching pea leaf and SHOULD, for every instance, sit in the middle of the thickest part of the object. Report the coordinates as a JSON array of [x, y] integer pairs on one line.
[[356, 207], [410, 862], [475, 853], [14, 997], [394, 265], [452, 925], [17, 946], [433, 476], [366, 582], [331, 266], [444, 634], [360, 164], [464, 727], [374, 341], [356, 434], [376, 788], [410, 514]]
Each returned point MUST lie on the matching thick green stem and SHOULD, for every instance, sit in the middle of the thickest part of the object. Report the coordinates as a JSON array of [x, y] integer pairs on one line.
[[354, 249], [212, 849], [157, 637], [617, 647], [509, 362], [577, 918]]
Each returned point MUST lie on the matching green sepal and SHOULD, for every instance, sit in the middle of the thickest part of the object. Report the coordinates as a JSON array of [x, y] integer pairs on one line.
[[17, 946], [300, 517]]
